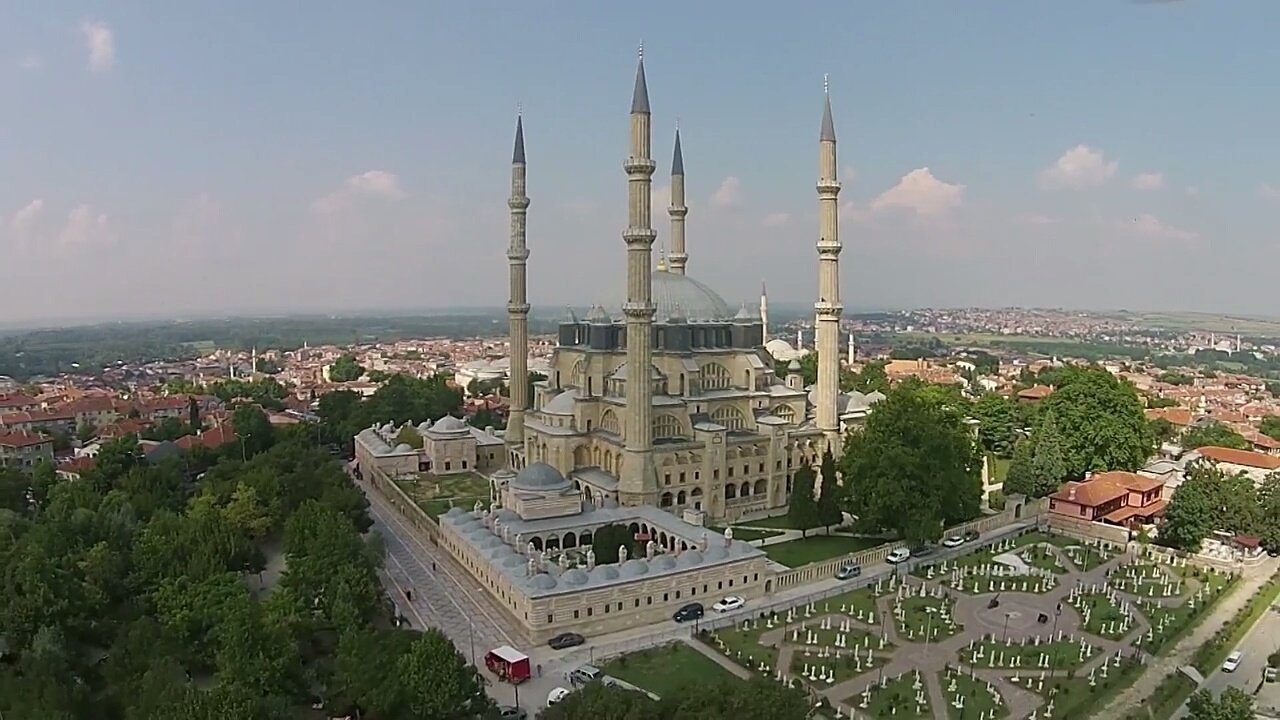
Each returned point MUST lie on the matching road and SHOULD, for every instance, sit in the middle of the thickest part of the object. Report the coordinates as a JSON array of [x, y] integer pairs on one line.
[[1262, 640]]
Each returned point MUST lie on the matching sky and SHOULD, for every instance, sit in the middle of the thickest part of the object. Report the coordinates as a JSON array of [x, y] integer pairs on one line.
[[176, 159]]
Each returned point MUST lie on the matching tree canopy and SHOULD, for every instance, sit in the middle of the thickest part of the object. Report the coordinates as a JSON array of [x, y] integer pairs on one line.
[[345, 369], [1214, 434], [997, 418], [802, 509], [1209, 499], [401, 399], [757, 699], [1101, 422], [914, 468], [1232, 704]]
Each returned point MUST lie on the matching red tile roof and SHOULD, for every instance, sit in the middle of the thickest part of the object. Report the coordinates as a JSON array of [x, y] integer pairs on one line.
[[1129, 481], [23, 439], [1180, 417], [1090, 493], [1035, 392], [1245, 458]]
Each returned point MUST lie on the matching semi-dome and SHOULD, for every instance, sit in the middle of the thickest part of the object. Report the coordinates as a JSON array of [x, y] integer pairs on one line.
[[681, 296], [542, 581], [514, 561], [403, 448], [688, 559], [539, 477], [663, 562], [634, 567], [576, 576], [605, 572]]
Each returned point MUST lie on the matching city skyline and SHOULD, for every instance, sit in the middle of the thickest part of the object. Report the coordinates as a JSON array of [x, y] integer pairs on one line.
[[357, 158]]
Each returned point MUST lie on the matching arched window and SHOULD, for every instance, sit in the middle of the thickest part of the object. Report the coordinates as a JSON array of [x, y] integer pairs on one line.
[[730, 491], [785, 412], [715, 377], [578, 377], [761, 488], [746, 490], [609, 423], [667, 426], [730, 417], [696, 493], [680, 498], [666, 500], [570, 540]]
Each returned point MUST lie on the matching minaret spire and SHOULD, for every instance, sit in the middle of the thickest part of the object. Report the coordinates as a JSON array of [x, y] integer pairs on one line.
[[764, 313], [518, 301], [638, 481], [828, 309], [679, 258]]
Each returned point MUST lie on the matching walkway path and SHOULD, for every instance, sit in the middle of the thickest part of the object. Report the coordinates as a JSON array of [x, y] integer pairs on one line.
[[1155, 672]]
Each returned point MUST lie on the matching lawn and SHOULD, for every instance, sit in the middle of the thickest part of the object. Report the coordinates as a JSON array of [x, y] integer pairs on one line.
[[1105, 619], [1145, 580], [669, 670], [814, 548], [979, 699], [777, 522], [922, 615], [742, 646], [437, 493], [1074, 699], [845, 667], [858, 604], [897, 699], [1062, 655], [999, 468]]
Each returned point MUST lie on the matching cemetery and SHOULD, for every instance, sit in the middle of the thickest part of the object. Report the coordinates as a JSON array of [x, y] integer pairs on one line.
[[1016, 629]]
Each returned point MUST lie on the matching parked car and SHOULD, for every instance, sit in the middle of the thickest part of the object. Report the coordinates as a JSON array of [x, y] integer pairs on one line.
[[923, 551], [583, 674], [1233, 661], [848, 571], [953, 541], [511, 712], [692, 611], [730, 603], [971, 535], [556, 695], [566, 640], [897, 555], [1269, 675]]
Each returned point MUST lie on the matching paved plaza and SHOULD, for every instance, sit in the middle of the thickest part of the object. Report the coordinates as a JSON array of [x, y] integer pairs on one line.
[[1017, 630]]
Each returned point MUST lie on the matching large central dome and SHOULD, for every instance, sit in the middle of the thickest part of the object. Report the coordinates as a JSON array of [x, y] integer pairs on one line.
[[677, 295]]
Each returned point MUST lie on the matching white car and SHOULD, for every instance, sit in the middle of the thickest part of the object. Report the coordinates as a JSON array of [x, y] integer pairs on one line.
[[733, 602], [897, 555], [556, 695], [953, 541], [1232, 662]]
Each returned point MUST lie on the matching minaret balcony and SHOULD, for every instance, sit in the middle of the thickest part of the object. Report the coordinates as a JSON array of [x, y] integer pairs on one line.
[[518, 203], [518, 308], [633, 236], [518, 254], [639, 166], [828, 309], [828, 188]]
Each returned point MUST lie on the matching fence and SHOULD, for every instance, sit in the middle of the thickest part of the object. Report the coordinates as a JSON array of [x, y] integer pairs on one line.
[[1027, 512], [600, 654], [422, 523]]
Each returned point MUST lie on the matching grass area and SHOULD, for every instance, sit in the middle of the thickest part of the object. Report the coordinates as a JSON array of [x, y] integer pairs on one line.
[[1145, 580], [1104, 619], [747, 534], [799, 633], [1172, 619], [743, 646], [1074, 699], [896, 698], [830, 670], [980, 700], [999, 468], [1166, 699], [669, 670], [1084, 555], [436, 494], [921, 615], [1039, 556], [814, 548], [1062, 655], [858, 604]]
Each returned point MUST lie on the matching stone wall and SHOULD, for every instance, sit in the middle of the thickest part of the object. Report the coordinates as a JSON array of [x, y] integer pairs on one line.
[[1086, 530]]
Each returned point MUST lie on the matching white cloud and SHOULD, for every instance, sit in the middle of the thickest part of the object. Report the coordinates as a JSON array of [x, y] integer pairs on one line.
[[1079, 167], [373, 183], [777, 219], [1148, 181], [1150, 226], [847, 174], [101, 44], [23, 218], [85, 227], [1192, 191], [922, 193], [1269, 191], [729, 194], [30, 62], [1038, 219]]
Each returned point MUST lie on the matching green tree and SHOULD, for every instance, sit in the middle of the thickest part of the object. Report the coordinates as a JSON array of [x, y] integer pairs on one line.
[[345, 369], [1020, 478], [1163, 430], [193, 415], [997, 423], [1101, 421], [1232, 704], [605, 702], [609, 539], [247, 512], [1049, 462], [437, 682], [1269, 509], [1214, 434], [1270, 426], [803, 508], [1189, 518], [86, 431], [914, 468], [253, 430], [829, 495]]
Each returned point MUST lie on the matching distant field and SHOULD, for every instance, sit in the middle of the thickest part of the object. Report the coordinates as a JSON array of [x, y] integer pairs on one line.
[[987, 339], [1255, 325]]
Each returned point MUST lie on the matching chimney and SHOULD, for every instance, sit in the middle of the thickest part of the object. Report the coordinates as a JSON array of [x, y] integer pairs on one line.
[[1071, 493], [591, 559]]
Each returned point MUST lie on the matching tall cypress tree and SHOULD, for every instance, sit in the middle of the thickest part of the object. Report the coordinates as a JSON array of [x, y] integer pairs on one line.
[[828, 504], [193, 414], [803, 510]]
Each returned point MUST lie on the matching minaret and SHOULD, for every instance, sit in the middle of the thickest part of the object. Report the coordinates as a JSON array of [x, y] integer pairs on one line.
[[764, 312], [799, 338], [852, 350], [828, 309], [518, 302], [679, 258], [253, 362], [639, 482]]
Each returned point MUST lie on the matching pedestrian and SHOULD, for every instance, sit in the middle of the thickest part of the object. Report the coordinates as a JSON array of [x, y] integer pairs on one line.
[[539, 669], [408, 594], [433, 566]]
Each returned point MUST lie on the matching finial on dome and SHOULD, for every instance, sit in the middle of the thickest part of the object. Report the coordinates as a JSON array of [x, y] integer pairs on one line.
[[826, 84], [640, 52]]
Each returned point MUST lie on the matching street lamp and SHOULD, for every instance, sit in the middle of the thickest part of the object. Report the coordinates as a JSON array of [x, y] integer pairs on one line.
[[1005, 636], [1053, 636]]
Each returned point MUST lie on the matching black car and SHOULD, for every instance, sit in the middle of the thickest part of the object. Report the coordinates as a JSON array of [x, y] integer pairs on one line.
[[566, 640], [923, 551], [692, 611], [970, 535]]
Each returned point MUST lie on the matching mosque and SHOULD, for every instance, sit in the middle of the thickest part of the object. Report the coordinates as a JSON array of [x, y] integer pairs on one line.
[[666, 396]]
